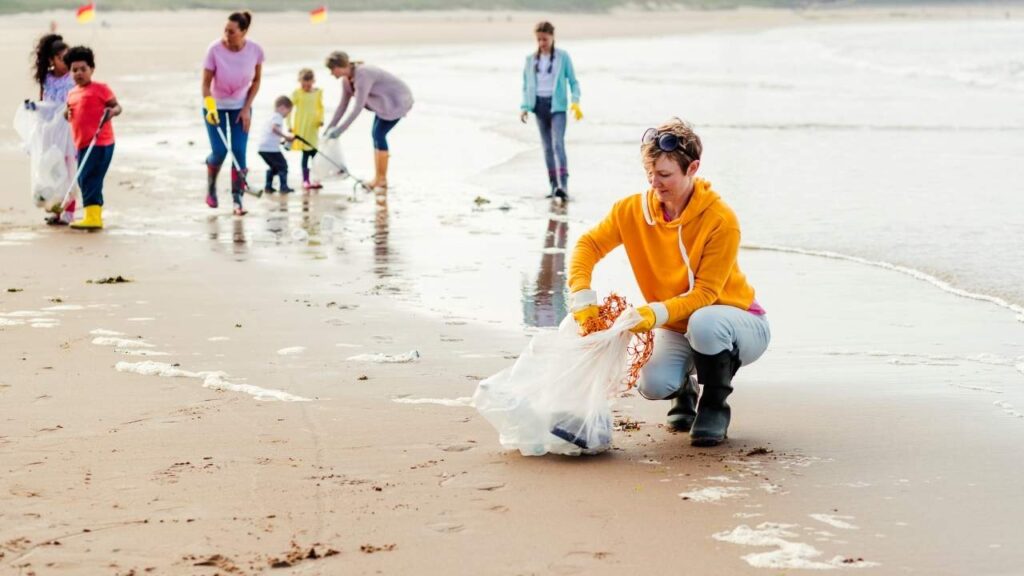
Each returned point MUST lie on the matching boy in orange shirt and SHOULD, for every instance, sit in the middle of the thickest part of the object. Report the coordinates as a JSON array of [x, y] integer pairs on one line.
[[87, 103]]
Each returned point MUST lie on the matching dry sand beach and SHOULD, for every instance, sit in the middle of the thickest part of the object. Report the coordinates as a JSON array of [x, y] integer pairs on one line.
[[226, 410]]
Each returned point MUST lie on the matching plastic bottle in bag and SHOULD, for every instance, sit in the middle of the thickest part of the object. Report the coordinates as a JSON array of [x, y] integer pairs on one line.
[[557, 396]]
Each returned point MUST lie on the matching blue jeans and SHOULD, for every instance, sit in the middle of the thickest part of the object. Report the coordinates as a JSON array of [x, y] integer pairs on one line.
[[239, 138], [95, 170], [380, 132], [552, 136], [711, 330]]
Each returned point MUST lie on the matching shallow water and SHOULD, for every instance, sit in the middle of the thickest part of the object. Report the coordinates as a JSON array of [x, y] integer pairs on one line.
[[889, 142]]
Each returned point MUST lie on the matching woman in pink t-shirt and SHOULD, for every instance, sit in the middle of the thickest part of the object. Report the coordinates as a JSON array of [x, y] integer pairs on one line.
[[231, 79]]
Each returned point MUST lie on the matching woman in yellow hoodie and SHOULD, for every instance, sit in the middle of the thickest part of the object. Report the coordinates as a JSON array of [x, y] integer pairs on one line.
[[682, 242]]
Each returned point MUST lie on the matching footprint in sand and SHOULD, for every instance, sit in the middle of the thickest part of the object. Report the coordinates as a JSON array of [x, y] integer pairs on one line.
[[461, 481], [447, 527], [456, 447]]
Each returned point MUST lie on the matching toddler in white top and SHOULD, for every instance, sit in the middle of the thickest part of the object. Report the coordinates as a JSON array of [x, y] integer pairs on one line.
[[270, 146]]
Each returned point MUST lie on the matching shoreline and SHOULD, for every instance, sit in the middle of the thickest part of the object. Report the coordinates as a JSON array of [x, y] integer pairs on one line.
[[453, 487]]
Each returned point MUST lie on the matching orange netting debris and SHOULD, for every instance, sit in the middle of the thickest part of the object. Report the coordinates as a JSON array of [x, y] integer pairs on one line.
[[640, 347]]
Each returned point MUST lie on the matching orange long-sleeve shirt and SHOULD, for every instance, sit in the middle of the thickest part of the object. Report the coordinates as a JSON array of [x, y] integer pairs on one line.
[[707, 231]]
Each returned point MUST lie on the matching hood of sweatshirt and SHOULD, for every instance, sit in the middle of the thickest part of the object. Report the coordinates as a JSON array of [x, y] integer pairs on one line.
[[703, 198]]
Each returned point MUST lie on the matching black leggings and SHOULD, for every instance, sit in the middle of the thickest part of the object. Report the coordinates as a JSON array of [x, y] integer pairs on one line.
[[307, 155]]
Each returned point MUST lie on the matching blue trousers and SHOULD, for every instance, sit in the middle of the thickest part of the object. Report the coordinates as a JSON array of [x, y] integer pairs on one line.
[[552, 136], [380, 132], [277, 165], [239, 138], [95, 170], [711, 330]]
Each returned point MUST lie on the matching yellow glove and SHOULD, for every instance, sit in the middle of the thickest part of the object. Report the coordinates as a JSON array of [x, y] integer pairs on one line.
[[584, 314], [576, 112], [212, 117], [647, 320]]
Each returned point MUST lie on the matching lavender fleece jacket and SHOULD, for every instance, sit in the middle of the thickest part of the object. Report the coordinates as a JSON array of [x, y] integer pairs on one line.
[[376, 90]]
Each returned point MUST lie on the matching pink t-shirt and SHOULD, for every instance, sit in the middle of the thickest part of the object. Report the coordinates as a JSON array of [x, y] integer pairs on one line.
[[232, 72]]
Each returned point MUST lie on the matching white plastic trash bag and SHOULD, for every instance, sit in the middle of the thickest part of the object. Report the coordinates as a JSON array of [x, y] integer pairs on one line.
[[329, 162], [46, 137], [557, 396]]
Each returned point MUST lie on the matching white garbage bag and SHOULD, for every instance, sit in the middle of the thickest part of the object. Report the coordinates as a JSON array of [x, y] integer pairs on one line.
[[329, 163], [46, 137], [557, 396]]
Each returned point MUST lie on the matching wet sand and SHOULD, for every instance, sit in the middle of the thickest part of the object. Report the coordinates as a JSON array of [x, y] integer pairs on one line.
[[886, 416]]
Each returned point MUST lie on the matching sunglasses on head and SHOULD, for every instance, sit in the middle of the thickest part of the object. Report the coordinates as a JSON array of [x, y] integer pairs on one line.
[[667, 142]]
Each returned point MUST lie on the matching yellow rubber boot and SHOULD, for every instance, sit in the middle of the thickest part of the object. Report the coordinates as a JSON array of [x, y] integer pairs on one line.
[[93, 219]]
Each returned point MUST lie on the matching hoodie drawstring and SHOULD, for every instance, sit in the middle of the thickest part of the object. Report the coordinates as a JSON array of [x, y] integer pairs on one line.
[[649, 218], [686, 259]]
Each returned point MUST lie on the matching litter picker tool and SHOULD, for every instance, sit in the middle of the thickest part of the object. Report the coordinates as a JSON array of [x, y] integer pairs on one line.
[[85, 158], [234, 161]]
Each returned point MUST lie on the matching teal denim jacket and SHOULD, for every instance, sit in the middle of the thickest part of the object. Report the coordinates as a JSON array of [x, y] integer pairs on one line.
[[566, 75]]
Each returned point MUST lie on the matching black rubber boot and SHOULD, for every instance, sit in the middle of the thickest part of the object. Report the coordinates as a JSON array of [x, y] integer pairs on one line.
[[715, 373], [684, 407]]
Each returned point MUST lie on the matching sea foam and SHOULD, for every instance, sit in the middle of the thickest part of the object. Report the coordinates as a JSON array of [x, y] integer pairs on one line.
[[211, 379]]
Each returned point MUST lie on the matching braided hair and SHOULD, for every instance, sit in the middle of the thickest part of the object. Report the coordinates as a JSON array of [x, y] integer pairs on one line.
[[544, 27]]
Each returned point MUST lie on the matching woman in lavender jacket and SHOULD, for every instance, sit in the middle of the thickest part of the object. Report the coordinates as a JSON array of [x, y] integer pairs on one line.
[[376, 90]]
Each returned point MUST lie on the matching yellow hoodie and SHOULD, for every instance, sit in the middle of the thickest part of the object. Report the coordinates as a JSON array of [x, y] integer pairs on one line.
[[685, 264]]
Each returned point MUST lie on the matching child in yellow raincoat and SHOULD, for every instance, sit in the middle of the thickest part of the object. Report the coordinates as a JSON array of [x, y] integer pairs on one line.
[[306, 119]]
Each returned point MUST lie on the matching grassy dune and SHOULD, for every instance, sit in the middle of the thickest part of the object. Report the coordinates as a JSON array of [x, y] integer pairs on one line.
[[12, 6]]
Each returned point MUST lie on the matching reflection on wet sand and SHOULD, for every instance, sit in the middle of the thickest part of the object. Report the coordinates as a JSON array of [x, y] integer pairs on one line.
[[307, 218], [313, 227], [238, 235], [239, 243], [277, 219], [544, 301], [381, 248]]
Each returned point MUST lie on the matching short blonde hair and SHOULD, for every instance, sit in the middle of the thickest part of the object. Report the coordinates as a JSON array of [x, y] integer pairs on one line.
[[689, 148], [306, 74]]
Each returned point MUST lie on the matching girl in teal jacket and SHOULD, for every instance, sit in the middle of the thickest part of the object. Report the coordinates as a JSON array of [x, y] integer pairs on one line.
[[546, 76]]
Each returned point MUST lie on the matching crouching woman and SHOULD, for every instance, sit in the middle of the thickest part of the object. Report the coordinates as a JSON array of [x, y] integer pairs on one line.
[[682, 241]]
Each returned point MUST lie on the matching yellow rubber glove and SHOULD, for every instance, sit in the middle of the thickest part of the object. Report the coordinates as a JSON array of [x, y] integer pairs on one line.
[[584, 314], [576, 112], [212, 117], [646, 324]]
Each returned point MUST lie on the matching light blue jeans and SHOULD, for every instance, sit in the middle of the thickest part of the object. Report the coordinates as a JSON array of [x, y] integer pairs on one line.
[[711, 330], [552, 137]]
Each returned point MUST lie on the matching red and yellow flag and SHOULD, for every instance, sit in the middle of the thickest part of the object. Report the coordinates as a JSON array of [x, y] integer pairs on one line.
[[86, 13], [318, 15]]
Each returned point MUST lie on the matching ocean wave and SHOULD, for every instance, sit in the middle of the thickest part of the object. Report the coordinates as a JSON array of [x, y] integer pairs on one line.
[[912, 272]]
